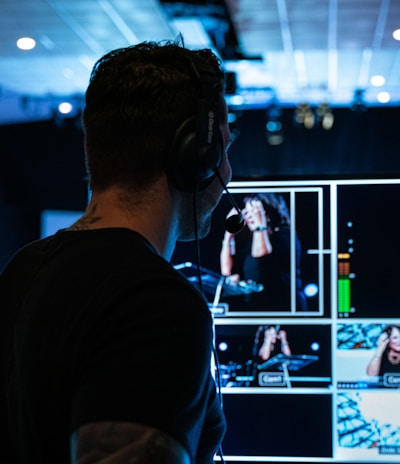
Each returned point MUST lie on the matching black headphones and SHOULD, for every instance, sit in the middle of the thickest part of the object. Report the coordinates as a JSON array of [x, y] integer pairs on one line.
[[196, 151]]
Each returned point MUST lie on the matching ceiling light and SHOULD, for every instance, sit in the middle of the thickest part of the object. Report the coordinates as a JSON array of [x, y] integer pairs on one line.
[[383, 97], [396, 34], [378, 81], [325, 115], [273, 126], [303, 115], [65, 108], [26, 43]]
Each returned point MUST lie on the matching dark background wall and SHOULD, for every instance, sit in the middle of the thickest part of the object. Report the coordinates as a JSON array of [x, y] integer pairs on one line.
[[42, 165], [361, 143]]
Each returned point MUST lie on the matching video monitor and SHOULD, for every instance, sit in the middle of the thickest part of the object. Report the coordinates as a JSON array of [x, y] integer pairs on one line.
[[367, 424], [368, 354], [265, 428], [306, 317], [265, 353], [368, 248], [53, 220], [291, 277], [306, 308]]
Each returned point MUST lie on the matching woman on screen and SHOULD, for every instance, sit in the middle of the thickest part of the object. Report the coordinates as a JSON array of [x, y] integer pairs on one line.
[[269, 341], [261, 254], [387, 353]]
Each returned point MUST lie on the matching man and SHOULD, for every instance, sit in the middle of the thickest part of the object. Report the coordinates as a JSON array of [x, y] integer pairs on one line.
[[106, 348]]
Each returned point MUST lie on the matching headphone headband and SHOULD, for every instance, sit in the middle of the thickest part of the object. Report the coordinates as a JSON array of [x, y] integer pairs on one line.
[[196, 151]]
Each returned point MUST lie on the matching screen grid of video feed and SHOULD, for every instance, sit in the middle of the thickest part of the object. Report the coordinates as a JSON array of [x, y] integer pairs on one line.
[[305, 301]]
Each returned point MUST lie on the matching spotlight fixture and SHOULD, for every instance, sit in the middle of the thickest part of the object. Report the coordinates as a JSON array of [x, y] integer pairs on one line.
[[358, 101], [273, 126], [325, 115], [304, 116]]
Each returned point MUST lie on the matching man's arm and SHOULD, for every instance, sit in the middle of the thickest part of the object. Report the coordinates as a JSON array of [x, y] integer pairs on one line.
[[122, 442]]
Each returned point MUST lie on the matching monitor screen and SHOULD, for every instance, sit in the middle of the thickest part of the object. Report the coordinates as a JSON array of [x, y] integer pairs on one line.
[[306, 305], [52, 221]]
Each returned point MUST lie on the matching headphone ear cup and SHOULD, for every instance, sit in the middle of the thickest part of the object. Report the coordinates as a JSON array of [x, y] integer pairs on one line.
[[192, 163]]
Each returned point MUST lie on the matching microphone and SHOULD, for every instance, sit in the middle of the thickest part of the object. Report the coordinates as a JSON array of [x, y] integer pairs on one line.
[[235, 223]]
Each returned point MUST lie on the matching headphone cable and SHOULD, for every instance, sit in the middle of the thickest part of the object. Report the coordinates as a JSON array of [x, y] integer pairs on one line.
[[200, 283], [197, 242]]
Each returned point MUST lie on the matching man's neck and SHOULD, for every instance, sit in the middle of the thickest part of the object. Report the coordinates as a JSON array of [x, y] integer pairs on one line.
[[154, 218]]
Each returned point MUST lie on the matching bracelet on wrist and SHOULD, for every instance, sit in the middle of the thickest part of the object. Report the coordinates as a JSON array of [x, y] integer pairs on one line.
[[260, 228]]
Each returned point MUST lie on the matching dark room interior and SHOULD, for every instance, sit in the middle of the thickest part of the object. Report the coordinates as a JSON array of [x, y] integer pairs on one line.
[[314, 114]]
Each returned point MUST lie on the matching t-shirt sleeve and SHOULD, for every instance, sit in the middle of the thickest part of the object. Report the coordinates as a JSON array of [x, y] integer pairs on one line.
[[147, 360]]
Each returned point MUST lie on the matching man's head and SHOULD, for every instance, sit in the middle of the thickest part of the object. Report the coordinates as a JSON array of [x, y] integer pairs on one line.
[[142, 108]]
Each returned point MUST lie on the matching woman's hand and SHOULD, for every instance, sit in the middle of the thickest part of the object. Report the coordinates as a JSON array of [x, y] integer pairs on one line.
[[282, 336], [383, 342], [254, 215]]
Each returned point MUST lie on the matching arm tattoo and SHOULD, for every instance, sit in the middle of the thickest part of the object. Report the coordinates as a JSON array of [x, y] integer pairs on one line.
[[123, 442]]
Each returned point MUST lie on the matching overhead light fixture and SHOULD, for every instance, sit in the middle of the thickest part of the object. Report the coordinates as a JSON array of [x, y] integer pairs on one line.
[[273, 126], [26, 43], [358, 103], [304, 116], [396, 34], [383, 97], [325, 115], [69, 109], [65, 108], [378, 80], [308, 117]]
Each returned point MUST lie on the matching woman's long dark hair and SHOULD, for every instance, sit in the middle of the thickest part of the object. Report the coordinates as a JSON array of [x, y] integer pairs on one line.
[[275, 207]]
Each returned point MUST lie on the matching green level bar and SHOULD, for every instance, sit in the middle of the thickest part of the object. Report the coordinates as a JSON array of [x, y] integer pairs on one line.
[[343, 294]]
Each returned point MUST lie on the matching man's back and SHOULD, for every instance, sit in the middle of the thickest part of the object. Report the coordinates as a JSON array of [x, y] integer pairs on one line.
[[94, 342]]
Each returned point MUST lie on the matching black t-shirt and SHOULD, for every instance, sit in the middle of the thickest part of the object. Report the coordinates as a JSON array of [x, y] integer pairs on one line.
[[99, 327], [273, 271], [387, 367]]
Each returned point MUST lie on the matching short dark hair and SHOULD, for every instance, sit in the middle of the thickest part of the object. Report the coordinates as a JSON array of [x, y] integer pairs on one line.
[[136, 99]]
